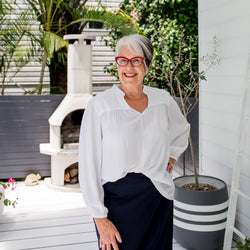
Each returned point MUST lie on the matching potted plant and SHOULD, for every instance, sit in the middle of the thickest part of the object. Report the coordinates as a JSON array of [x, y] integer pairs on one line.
[[3, 200], [201, 202]]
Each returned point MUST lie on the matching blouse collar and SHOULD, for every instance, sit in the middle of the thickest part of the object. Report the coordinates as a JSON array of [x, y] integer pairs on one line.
[[121, 93]]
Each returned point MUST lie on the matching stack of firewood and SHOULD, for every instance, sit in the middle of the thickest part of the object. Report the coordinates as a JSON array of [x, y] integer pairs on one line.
[[71, 174]]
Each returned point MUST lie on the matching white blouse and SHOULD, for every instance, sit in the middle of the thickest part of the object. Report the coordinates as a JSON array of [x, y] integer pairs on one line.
[[116, 139]]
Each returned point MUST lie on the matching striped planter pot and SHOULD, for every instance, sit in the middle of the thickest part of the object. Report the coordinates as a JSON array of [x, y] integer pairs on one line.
[[200, 216]]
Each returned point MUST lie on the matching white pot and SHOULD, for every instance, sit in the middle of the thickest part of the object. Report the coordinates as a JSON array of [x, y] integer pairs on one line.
[[1, 201]]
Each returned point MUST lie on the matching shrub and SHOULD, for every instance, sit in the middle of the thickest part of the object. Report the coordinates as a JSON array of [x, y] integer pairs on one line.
[[166, 23]]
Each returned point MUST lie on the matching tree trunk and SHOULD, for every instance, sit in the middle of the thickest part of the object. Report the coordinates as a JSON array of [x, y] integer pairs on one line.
[[58, 79]]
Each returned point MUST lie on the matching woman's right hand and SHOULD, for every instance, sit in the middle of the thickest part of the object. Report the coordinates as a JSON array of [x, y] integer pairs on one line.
[[109, 234]]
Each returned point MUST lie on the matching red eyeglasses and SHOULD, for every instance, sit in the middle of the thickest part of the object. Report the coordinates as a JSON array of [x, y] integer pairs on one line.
[[135, 61]]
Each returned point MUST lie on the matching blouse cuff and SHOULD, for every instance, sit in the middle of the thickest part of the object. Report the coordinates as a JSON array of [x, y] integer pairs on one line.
[[173, 157], [176, 152], [99, 212]]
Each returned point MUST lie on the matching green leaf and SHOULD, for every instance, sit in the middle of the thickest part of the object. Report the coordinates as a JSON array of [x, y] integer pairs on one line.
[[117, 19], [52, 43], [7, 202]]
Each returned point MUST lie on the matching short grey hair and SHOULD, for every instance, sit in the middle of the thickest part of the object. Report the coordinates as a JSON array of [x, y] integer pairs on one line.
[[139, 44]]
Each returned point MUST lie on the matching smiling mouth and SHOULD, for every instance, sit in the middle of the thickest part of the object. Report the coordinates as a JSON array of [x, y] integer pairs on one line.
[[129, 75]]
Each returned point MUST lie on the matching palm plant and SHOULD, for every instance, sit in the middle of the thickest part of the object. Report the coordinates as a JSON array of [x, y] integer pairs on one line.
[[59, 17], [47, 12]]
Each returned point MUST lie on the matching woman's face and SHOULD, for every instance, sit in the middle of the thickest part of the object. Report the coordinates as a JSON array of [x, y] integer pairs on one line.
[[130, 75]]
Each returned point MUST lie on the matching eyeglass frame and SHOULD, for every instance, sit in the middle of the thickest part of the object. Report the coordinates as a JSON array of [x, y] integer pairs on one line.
[[129, 60]]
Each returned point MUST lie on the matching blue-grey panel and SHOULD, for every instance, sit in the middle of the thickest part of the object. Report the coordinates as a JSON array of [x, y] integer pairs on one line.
[[23, 126]]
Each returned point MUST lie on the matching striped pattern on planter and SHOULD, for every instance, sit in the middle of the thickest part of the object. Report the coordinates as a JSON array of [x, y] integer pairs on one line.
[[200, 218]]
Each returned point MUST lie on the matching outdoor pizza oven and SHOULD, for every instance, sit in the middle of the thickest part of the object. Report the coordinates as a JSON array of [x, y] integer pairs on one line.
[[65, 121]]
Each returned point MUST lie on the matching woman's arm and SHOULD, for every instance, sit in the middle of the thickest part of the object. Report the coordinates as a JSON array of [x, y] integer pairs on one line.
[[90, 157]]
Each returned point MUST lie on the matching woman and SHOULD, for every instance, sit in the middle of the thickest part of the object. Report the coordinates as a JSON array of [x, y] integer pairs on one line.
[[130, 137]]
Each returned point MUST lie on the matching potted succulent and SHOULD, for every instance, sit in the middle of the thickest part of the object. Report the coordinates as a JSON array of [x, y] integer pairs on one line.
[[3, 200]]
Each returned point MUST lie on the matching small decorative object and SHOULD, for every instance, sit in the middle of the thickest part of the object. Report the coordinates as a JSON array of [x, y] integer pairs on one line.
[[3, 186], [32, 179]]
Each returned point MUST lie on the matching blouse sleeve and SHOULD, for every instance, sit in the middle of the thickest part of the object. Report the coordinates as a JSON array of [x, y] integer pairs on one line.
[[179, 130], [90, 159]]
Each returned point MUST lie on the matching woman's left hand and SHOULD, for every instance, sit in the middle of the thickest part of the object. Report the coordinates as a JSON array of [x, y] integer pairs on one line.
[[170, 166]]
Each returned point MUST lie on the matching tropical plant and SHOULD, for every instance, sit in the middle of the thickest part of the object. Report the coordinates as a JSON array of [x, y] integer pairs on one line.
[[15, 54], [47, 13], [12, 185], [70, 17]]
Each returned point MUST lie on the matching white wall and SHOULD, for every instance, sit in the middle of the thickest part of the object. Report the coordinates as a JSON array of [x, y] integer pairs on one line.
[[222, 94]]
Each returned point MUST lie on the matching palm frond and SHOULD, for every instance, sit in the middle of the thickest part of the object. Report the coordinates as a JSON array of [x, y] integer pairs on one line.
[[116, 19], [52, 43], [38, 13], [55, 9]]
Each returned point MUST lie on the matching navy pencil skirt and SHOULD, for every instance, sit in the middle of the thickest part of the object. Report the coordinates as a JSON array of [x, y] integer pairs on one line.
[[143, 217]]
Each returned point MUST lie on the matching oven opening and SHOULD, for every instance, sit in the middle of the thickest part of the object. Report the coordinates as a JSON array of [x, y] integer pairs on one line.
[[70, 128]]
